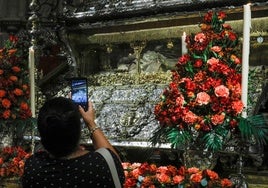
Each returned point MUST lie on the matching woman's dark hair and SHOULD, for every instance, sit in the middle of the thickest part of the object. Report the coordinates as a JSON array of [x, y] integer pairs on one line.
[[59, 126]]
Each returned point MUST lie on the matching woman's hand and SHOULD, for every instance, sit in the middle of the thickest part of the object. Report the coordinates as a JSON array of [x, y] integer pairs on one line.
[[98, 138], [89, 115]]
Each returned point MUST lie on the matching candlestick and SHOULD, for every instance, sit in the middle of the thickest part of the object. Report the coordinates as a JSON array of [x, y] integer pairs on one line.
[[183, 44], [245, 57], [32, 80]]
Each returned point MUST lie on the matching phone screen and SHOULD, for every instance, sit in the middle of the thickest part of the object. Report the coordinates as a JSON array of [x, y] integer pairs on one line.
[[80, 92]]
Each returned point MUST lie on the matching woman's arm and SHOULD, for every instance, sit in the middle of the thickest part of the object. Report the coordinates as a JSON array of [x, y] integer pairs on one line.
[[98, 138]]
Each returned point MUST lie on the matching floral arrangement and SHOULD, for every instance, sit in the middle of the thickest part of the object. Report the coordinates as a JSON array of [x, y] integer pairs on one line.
[[12, 161], [147, 175], [14, 80], [202, 104]]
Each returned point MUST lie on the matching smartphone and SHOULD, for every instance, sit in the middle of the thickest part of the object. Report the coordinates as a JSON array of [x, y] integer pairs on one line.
[[79, 91]]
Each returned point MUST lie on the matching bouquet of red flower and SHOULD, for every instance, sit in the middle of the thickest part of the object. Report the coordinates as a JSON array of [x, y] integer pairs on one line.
[[150, 176], [12, 161], [14, 80], [202, 103]]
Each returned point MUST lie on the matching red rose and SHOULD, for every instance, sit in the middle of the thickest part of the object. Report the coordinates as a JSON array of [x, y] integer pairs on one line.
[[24, 106], [200, 37], [2, 93], [162, 169], [232, 36], [130, 182], [208, 17], [178, 179], [147, 181], [226, 26], [126, 165], [204, 27], [200, 76], [216, 49], [233, 123], [16, 69], [12, 51], [212, 175], [217, 119], [18, 92], [172, 170], [193, 170], [153, 168], [190, 117], [182, 170], [189, 84], [196, 178], [25, 87], [2, 172], [6, 114], [221, 15], [235, 59], [6, 103], [198, 63], [224, 69], [184, 59], [237, 106], [180, 100], [13, 38], [163, 178], [213, 61], [226, 182], [13, 78]]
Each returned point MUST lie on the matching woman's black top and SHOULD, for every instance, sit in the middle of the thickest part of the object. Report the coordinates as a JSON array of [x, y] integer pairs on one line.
[[89, 170]]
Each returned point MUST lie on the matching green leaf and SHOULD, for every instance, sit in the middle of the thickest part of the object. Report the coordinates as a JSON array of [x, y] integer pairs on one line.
[[255, 126], [197, 56], [189, 67], [214, 140], [158, 135], [177, 137]]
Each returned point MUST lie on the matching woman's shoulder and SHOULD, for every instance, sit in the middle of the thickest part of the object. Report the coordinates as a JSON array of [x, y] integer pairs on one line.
[[105, 151], [104, 154]]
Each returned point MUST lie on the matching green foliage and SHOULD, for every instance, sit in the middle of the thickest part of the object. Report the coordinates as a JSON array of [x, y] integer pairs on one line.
[[178, 138], [174, 136], [213, 141], [255, 126]]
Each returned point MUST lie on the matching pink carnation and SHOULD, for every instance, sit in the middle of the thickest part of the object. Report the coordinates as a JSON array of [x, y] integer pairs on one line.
[[202, 98], [200, 37], [213, 61], [221, 91]]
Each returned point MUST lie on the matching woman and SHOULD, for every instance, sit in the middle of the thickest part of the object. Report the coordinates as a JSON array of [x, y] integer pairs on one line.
[[64, 163]]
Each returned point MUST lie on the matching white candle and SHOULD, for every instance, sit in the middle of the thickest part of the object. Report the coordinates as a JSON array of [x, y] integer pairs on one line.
[[183, 44], [245, 56], [32, 80]]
